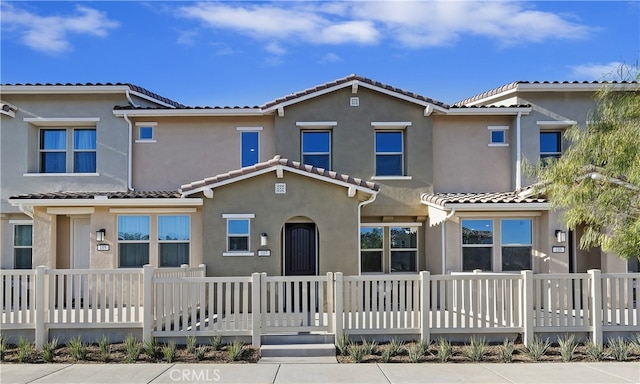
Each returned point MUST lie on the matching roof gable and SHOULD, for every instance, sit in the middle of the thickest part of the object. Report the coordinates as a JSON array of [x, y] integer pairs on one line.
[[278, 165]]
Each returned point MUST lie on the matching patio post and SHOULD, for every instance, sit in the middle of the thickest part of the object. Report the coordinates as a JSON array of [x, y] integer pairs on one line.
[[425, 308], [330, 303], [256, 318], [147, 305], [339, 311], [528, 307], [41, 292], [595, 275]]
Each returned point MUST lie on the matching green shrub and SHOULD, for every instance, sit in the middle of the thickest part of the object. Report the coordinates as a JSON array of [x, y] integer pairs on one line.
[[151, 348], [200, 352], [386, 355], [3, 347], [506, 351], [77, 349], [235, 350], [369, 347], [635, 342], [476, 349], [169, 351], [133, 349], [191, 344], [48, 350], [416, 352], [104, 349], [537, 348], [26, 350], [356, 352], [342, 344], [444, 350], [568, 347], [618, 348], [216, 342], [595, 350], [395, 346]]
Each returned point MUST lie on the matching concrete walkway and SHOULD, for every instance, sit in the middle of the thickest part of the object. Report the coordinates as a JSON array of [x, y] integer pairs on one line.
[[565, 373]]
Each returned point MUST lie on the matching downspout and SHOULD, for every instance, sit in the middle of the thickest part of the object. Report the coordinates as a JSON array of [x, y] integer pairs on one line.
[[130, 153], [369, 201], [518, 153]]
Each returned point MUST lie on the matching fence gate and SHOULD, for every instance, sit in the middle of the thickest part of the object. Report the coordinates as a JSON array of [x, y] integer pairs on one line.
[[296, 303]]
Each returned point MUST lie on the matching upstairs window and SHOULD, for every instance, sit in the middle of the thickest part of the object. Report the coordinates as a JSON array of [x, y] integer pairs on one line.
[[316, 148], [54, 154], [550, 144], [389, 147], [498, 135]]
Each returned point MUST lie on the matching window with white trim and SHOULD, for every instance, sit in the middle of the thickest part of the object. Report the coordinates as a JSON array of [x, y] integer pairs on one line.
[[250, 148], [389, 149], [498, 135], [517, 246], [174, 235], [404, 249], [316, 148], [477, 244], [238, 233], [55, 156], [371, 249], [146, 132], [133, 241], [22, 246], [550, 144]]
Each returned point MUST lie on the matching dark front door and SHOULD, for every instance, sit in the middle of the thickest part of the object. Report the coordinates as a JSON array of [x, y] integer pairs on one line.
[[299, 249]]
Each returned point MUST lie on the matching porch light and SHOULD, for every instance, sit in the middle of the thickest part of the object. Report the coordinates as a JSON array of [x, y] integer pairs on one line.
[[100, 234], [561, 236], [263, 239]]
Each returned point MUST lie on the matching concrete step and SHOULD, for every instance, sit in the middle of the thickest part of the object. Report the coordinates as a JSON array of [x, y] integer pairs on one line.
[[298, 350], [298, 360], [298, 338]]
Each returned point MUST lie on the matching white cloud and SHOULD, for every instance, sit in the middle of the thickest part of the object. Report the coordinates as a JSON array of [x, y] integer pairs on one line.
[[600, 72], [414, 24], [330, 58], [50, 33], [275, 49], [187, 38]]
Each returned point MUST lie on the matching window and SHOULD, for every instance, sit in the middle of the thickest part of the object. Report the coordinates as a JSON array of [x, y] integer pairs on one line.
[[389, 153], [316, 148], [477, 245], [516, 244], [371, 249], [174, 233], [404, 249], [54, 157], [250, 153], [133, 241], [22, 246], [498, 135], [238, 234], [145, 133], [550, 144]]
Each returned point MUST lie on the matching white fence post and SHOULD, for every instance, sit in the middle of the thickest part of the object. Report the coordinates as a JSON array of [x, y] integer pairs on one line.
[[148, 304], [528, 307], [596, 306], [339, 311], [330, 304], [256, 318], [41, 332], [425, 308]]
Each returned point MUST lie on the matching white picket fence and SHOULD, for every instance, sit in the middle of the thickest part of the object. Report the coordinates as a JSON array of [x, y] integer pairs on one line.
[[183, 302]]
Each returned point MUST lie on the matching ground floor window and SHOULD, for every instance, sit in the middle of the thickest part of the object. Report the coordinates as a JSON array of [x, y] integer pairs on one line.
[[480, 250], [22, 246], [174, 233], [397, 247], [133, 241]]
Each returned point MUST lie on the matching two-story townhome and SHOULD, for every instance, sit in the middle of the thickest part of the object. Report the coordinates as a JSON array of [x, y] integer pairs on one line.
[[59, 138], [352, 175]]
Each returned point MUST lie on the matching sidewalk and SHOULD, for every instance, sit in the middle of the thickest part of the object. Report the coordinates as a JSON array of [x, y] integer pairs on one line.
[[565, 373]]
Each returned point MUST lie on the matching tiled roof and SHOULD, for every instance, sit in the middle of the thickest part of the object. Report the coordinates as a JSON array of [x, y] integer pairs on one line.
[[510, 86], [133, 87], [274, 162], [128, 107], [347, 79], [460, 107], [478, 198], [109, 195]]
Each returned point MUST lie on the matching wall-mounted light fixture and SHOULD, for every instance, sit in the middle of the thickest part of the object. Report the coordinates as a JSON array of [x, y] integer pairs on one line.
[[561, 236], [263, 239], [100, 234]]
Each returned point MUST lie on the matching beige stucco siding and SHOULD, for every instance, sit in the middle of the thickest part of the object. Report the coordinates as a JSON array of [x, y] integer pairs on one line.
[[353, 143], [464, 161], [326, 204], [185, 149]]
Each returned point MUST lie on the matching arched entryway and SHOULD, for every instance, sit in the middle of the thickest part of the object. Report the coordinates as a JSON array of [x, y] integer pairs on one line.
[[300, 249]]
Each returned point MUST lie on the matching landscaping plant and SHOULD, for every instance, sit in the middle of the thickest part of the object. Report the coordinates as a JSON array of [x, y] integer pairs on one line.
[[568, 347], [3, 347], [595, 350], [235, 350], [343, 344], [506, 351], [151, 347], [169, 351], [48, 350], [444, 350], [25, 350], [191, 344], [369, 346], [476, 349], [200, 352], [537, 348], [618, 348], [396, 346], [216, 342], [104, 348], [416, 352], [356, 352], [133, 349], [77, 349]]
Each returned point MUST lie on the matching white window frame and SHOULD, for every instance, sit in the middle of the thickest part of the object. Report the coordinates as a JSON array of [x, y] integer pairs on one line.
[[151, 125], [391, 248], [69, 150], [147, 241], [386, 250], [249, 130], [161, 241], [492, 245], [381, 250], [544, 155], [17, 223], [303, 153], [498, 128], [502, 245], [238, 216]]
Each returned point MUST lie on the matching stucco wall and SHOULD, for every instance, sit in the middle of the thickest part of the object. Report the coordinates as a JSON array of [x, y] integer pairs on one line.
[[464, 161], [327, 205], [187, 149]]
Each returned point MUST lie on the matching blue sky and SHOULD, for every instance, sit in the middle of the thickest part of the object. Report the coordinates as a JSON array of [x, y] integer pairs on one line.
[[247, 53]]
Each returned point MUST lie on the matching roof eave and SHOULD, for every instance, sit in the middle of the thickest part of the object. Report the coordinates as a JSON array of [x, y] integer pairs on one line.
[[498, 206], [113, 202], [178, 112], [493, 111], [63, 89]]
